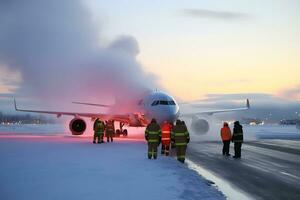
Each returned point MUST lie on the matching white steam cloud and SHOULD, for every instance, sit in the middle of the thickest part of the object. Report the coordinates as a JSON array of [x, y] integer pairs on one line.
[[55, 46]]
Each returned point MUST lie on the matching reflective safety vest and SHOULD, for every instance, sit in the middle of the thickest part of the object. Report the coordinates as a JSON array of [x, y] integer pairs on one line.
[[99, 127], [237, 135], [153, 133], [166, 134], [226, 133], [109, 127], [180, 135]]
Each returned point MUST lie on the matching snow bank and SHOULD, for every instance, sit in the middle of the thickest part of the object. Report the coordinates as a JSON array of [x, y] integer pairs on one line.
[[60, 167], [33, 129]]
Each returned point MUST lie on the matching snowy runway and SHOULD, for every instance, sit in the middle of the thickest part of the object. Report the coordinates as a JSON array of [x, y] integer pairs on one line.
[[268, 169], [58, 167]]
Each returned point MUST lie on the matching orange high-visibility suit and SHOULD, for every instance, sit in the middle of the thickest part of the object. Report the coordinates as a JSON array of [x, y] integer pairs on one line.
[[165, 138], [226, 137], [226, 133]]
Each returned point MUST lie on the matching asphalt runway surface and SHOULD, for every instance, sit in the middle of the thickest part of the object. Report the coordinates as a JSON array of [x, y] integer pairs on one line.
[[268, 169]]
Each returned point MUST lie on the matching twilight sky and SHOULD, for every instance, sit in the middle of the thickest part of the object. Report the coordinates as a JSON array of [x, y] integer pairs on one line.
[[200, 47], [191, 48]]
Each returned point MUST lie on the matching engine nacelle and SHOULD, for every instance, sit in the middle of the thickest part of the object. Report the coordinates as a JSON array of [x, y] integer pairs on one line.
[[200, 126], [77, 126]]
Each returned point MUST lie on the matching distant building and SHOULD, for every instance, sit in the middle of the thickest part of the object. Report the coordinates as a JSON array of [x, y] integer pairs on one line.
[[251, 121], [290, 122], [25, 119]]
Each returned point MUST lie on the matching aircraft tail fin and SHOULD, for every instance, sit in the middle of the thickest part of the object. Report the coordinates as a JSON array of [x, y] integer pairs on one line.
[[248, 103]]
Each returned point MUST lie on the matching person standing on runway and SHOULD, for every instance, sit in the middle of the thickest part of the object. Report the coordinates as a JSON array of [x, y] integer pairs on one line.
[[237, 138], [110, 130], [226, 137], [99, 129], [153, 137], [181, 138], [165, 138]]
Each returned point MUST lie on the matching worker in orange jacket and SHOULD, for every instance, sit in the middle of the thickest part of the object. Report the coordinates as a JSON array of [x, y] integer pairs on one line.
[[226, 137], [166, 128]]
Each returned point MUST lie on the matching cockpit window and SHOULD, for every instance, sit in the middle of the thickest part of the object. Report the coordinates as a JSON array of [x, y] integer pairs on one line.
[[155, 103], [162, 102], [171, 103]]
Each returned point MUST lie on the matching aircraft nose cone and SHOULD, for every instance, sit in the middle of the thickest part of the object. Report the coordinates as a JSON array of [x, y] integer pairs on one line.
[[168, 114]]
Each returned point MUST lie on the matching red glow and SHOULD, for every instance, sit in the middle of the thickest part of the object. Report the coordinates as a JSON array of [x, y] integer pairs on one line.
[[64, 138]]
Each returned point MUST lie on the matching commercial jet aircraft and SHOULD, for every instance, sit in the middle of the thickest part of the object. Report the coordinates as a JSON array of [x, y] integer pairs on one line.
[[158, 105]]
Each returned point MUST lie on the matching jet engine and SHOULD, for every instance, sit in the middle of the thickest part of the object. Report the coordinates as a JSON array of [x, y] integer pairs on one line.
[[200, 126], [77, 126]]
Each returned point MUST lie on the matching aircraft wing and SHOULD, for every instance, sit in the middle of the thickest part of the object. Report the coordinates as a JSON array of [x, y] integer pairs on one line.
[[120, 118], [219, 111], [91, 104]]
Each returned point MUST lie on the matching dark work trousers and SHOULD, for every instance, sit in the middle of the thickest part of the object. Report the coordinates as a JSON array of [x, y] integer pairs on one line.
[[237, 149], [165, 149], [98, 136], [226, 144], [181, 152], [152, 150], [109, 136]]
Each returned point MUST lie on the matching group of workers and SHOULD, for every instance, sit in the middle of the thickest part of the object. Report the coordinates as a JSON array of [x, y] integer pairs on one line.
[[100, 128], [169, 136], [236, 137]]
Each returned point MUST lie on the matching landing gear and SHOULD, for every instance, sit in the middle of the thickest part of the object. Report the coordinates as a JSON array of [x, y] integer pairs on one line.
[[118, 133], [121, 131], [125, 133]]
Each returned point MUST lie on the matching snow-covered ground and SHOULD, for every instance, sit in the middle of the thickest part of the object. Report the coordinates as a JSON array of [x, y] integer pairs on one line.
[[33, 129], [273, 132], [62, 167], [250, 132], [46, 162]]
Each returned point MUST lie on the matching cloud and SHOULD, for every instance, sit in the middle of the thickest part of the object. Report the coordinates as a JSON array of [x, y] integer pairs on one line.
[[291, 93], [205, 13], [9, 79], [55, 47]]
